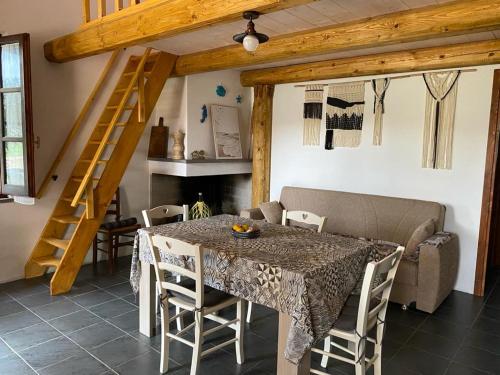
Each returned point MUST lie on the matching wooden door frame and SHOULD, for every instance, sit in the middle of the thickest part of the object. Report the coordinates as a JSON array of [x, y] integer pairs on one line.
[[492, 152]]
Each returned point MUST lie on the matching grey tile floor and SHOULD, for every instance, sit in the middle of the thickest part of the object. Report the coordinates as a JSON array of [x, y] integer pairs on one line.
[[94, 330]]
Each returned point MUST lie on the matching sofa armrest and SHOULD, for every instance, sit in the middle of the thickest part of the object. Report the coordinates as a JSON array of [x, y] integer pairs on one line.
[[437, 270], [252, 213]]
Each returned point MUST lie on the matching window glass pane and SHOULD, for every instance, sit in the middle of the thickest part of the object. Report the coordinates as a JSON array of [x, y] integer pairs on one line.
[[11, 65], [12, 116], [14, 163]]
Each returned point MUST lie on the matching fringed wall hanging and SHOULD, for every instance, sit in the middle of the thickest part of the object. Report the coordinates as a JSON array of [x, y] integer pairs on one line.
[[344, 115], [380, 87], [440, 107], [313, 113]]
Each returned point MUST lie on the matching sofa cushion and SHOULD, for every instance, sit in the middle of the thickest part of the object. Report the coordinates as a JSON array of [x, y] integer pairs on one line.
[[362, 215], [423, 232], [272, 211]]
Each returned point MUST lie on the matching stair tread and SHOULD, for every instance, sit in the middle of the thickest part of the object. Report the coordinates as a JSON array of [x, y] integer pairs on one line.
[[80, 179], [48, 261], [90, 161], [66, 219], [61, 244], [111, 143], [117, 124], [127, 107], [81, 202]]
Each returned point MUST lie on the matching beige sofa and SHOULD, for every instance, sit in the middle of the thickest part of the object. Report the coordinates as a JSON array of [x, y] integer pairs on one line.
[[426, 280]]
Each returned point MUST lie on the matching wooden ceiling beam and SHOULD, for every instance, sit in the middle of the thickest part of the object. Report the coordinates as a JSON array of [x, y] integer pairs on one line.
[[454, 18], [442, 57], [152, 20]]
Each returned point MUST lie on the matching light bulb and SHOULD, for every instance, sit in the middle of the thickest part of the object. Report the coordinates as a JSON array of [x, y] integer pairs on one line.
[[250, 43]]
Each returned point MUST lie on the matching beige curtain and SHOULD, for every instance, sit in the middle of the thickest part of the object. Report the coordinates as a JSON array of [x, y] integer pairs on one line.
[[440, 107], [380, 87]]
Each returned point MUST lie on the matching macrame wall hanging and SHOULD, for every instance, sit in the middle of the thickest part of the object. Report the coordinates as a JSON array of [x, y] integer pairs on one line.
[[344, 115], [313, 113], [440, 107], [380, 87]]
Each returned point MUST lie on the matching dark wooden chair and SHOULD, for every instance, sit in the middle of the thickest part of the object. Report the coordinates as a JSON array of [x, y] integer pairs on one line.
[[111, 232]]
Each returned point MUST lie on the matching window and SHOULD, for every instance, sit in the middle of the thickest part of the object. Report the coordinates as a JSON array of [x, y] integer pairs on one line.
[[16, 128]]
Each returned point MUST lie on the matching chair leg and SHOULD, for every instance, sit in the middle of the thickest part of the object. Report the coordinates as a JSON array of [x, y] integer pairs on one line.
[[359, 357], [180, 319], [249, 312], [377, 366], [326, 348], [110, 252], [94, 254], [240, 328], [164, 339], [198, 343]]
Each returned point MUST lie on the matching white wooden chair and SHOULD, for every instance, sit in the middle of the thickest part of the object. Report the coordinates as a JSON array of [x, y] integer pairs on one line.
[[191, 295], [156, 214], [164, 212], [302, 217], [360, 315]]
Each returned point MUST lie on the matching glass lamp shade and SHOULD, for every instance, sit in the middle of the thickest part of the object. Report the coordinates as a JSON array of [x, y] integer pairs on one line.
[[250, 43]]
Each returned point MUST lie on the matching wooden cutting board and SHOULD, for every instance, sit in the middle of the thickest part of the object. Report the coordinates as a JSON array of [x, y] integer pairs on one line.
[[158, 141]]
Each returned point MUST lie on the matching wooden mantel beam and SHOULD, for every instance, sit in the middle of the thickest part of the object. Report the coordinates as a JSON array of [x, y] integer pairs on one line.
[[443, 57], [454, 18], [152, 20]]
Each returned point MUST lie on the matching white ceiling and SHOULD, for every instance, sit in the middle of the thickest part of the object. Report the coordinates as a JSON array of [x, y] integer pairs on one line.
[[315, 14]]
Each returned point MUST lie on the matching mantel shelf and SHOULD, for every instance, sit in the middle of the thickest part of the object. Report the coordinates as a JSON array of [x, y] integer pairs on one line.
[[206, 167]]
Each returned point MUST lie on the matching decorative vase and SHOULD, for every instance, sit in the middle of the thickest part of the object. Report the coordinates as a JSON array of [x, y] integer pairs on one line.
[[178, 149]]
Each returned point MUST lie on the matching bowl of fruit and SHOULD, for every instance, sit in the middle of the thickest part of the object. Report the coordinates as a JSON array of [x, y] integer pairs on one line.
[[245, 231]]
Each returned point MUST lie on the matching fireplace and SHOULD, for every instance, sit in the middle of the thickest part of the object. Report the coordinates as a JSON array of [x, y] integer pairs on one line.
[[226, 194]]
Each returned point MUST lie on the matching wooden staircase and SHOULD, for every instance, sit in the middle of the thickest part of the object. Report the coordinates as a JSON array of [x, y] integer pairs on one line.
[[79, 212]]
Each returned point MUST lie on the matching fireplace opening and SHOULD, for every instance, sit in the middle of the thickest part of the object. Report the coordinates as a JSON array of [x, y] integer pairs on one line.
[[224, 194]]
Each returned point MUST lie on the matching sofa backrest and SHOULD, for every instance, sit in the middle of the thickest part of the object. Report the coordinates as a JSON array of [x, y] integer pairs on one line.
[[363, 215]]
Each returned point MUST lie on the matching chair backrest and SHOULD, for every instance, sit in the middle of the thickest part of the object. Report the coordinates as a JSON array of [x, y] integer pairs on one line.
[[114, 207], [163, 212], [304, 217], [374, 299], [177, 248]]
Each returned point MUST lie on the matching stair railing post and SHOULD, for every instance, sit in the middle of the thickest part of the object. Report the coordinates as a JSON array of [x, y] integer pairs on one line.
[[89, 200], [141, 98]]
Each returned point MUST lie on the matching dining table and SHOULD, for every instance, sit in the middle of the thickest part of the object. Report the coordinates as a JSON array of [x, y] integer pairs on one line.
[[306, 276]]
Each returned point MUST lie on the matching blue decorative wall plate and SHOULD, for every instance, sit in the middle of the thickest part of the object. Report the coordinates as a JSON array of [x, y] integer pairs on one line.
[[220, 90]]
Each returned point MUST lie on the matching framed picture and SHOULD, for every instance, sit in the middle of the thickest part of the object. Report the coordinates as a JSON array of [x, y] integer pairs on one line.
[[226, 129]]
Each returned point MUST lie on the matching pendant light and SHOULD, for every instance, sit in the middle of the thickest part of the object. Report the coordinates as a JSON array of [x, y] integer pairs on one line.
[[250, 38]]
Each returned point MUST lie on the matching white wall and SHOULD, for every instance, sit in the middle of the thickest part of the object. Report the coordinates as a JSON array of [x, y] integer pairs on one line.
[[201, 91], [181, 102], [394, 169]]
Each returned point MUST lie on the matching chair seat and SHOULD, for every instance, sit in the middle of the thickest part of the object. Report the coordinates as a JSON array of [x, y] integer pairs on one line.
[[213, 297], [348, 317], [130, 222]]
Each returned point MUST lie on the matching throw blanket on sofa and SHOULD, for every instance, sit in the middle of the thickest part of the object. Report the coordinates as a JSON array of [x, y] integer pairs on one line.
[[344, 115], [313, 113]]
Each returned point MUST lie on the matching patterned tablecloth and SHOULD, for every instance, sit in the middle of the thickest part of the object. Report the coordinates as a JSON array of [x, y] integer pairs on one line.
[[304, 274]]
